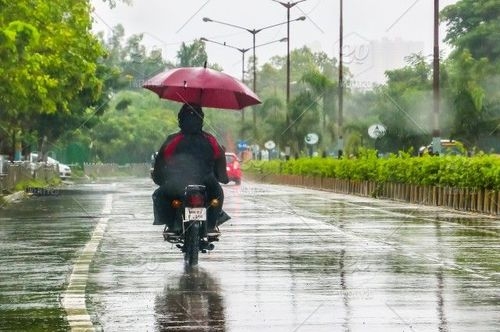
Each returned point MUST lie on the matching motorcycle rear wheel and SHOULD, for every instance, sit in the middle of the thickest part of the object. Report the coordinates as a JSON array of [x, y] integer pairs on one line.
[[192, 244]]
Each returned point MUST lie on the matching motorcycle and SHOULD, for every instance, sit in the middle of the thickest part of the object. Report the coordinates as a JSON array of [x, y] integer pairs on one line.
[[191, 218]]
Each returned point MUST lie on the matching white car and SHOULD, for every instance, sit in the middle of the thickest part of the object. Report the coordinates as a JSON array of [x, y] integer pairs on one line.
[[63, 169]]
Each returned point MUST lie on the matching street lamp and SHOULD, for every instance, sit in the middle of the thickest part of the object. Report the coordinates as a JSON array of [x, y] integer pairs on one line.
[[288, 5], [254, 32], [243, 51]]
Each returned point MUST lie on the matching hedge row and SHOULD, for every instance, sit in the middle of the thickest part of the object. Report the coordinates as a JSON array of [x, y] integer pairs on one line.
[[479, 172]]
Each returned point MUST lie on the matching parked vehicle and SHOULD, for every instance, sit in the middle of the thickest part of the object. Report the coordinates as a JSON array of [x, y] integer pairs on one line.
[[448, 147], [63, 169], [233, 167]]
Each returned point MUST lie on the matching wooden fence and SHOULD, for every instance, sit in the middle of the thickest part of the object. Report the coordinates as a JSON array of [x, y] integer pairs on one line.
[[463, 199]]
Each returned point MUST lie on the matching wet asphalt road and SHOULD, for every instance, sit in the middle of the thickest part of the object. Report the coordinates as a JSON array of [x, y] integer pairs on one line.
[[87, 257]]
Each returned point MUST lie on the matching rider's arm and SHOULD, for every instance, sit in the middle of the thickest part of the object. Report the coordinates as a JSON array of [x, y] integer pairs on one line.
[[220, 167], [158, 174]]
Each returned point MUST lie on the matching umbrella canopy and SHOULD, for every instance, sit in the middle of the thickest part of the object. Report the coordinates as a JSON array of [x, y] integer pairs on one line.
[[202, 86]]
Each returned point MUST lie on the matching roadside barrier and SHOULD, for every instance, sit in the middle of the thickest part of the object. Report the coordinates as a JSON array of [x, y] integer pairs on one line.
[[22, 171], [464, 199]]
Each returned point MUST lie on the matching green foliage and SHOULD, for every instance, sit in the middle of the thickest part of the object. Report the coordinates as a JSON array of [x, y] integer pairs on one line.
[[112, 3], [481, 172], [466, 79], [192, 55], [312, 96], [49, 72], [474, 25], [473, 29], [127, 63], [403, 104], [132, 133], [36, 183]]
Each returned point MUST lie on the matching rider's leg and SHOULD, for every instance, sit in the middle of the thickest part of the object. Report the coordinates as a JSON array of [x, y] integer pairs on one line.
[[158, 207], [170, 214], [213, 213], [164, 214]]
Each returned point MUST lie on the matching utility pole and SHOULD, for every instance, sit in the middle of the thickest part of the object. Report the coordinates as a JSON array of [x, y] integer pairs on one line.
[[340, 143], [254, 32], [288, 5], [436, 132]]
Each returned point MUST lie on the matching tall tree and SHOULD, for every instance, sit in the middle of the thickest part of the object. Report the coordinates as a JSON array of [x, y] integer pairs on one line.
[[312, 76], [192, 55], [474, 25], [404, 104], [324, 89], [468, 97], [304, 119], [128, 62], [474, 31], [55, 62]]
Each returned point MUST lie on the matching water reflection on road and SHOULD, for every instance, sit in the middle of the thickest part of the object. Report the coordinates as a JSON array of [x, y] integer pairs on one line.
[[194, 303]]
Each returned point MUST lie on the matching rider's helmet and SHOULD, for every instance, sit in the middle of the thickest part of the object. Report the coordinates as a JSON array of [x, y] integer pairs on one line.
[[190, 118]]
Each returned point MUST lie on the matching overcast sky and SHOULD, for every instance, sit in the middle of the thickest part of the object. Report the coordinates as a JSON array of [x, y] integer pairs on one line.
[[167, 23]]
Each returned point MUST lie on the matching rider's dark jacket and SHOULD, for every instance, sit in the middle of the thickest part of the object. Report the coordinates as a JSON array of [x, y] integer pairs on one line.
[[191, 156]]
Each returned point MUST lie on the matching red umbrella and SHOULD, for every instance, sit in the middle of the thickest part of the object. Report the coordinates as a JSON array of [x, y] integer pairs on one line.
[[202, 86]]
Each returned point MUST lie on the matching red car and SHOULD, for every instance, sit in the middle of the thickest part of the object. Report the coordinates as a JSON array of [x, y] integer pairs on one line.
[[233, 167]]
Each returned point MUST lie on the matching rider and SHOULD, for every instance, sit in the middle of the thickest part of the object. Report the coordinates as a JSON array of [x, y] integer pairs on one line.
[[190, 156]]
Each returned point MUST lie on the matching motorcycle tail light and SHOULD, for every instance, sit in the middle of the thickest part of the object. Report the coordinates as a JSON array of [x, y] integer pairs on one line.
[[176, 204], [196, 200]]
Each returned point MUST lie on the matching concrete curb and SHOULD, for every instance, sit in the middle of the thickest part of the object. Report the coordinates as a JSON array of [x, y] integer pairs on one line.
[[13, 198]]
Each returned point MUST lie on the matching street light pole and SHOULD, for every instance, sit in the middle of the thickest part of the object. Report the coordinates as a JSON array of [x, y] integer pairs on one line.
[[254, 32], [288, 5], [243, 51], [341, 84]]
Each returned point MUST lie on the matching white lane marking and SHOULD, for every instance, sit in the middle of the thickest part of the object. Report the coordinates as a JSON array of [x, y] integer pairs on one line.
[[73, 299]]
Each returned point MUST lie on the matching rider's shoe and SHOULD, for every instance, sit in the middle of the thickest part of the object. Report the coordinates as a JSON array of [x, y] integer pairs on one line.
[[213, 234], [170, 234], [206, 246]]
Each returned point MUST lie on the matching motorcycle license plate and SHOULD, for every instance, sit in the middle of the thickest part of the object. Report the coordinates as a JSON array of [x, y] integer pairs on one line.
[[195, 214]]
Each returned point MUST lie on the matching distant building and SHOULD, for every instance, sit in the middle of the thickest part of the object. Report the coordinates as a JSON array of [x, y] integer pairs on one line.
[[368, 60]]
